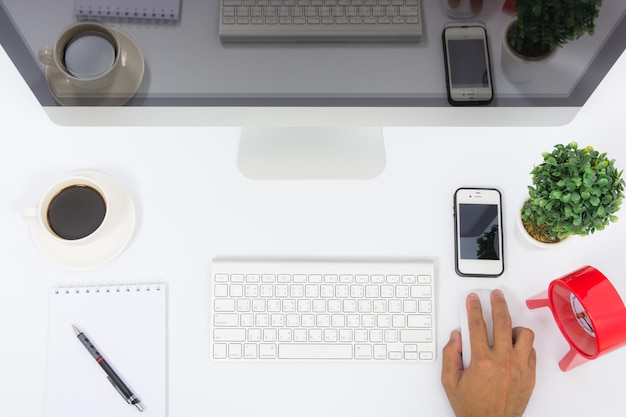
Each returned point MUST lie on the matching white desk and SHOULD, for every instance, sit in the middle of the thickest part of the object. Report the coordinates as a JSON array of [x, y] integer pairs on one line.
[[193, 204]]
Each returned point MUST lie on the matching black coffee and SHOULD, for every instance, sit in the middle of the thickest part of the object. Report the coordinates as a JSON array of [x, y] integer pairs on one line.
[[89, 55], [76, 212]]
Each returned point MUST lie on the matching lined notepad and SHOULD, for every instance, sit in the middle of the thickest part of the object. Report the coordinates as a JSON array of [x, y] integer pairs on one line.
[[127, 324], [150, 11]]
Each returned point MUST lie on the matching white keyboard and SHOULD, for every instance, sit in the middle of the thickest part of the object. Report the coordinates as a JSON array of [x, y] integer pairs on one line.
[[320, 20], [268, 310]]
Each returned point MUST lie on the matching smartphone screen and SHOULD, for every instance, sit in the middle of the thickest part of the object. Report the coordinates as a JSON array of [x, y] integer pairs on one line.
[[478, 229], [468, 69]]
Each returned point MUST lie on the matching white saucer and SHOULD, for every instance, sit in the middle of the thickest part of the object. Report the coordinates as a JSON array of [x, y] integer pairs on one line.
[[122, 89], [98, 251]]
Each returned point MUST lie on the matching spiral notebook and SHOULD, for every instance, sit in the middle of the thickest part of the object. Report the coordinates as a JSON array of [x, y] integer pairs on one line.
[[127, 324], [148, 11]]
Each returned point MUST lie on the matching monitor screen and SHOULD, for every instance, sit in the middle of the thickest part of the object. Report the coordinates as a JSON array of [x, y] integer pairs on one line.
[[189, 77]]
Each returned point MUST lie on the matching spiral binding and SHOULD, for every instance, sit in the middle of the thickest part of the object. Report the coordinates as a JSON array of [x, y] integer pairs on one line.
[[115, 288], [126, 14]]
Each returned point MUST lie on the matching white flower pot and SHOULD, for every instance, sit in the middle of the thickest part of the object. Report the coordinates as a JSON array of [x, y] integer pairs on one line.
[[515, 67], [527, 237]]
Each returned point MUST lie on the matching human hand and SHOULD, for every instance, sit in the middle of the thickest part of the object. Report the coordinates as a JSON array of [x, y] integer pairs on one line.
[[500, 378]]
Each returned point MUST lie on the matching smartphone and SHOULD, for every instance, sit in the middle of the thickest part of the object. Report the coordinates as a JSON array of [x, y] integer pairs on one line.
[[478, 232], [468, 66]]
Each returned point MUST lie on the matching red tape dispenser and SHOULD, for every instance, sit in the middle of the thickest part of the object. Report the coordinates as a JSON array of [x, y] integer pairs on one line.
[[589, 313]]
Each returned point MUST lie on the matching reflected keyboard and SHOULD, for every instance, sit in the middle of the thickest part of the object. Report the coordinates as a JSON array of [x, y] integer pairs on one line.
[[269, 310], [320, 20]]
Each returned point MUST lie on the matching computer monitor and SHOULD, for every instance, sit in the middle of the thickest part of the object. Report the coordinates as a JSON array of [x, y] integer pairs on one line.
[[311, 110]]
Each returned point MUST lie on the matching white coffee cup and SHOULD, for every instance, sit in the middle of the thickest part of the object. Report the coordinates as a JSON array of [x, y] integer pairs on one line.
[[87, 54], [74, 210]]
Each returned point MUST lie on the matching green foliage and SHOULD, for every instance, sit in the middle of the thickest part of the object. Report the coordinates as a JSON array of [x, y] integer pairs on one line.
[[542, 25], [574, 192]]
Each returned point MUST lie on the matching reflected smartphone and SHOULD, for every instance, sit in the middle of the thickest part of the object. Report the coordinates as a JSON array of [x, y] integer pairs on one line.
[[478, 232], [468, 66]]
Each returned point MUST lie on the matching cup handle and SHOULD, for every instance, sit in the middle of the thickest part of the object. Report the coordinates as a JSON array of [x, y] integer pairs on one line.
[[46, 55], [30, 214]]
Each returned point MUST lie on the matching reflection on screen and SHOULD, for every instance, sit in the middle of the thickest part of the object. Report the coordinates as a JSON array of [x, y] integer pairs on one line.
[[468, 64], [479, 237]]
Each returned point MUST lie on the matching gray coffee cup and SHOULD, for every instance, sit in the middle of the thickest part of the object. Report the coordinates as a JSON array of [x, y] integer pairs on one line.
[[88, 54]]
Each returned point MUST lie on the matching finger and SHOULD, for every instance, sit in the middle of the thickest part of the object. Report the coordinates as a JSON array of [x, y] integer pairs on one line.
[[532, 360], [476, 324], [502, 327], [522, 346], [523, 340], [452, 364]]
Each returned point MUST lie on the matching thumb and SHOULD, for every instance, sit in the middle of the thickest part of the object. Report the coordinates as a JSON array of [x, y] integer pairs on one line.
[[452, 367]]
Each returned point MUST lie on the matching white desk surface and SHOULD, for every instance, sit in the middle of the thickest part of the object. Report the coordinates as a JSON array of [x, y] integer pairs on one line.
[[193, 204]]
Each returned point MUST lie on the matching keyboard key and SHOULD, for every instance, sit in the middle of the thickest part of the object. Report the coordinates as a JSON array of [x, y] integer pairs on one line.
[[315, 335], [345, 335], [346, 278], [362, 351], [221, 277], [226, 320], [415, 336], [425, 306], [229, 335], [395, 355], [420, 291], [224, 305], [380, 351], [409, 279], [253, 278], [267, 351], [315, 351], [268, 278], [220, 291], [419, 320], [219, 350], [249, 351], [361, 278], [234, 351], [423, 279]]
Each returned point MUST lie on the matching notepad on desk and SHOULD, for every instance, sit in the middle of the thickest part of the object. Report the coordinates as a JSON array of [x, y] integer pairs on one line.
[[127, 324], [150, 11]]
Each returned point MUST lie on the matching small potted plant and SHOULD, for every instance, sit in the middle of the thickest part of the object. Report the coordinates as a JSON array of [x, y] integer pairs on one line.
[[541, 27], [574, 192]]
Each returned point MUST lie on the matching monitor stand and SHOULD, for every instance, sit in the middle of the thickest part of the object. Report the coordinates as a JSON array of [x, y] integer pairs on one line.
[[270, 153]]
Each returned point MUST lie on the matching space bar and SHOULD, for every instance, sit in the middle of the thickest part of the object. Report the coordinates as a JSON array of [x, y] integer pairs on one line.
[[314, 351]]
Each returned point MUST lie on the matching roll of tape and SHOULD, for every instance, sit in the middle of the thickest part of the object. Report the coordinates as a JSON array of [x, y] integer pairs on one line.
[[589, 313]]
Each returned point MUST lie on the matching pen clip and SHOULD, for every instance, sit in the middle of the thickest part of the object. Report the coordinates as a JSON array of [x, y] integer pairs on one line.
[[128, 400]]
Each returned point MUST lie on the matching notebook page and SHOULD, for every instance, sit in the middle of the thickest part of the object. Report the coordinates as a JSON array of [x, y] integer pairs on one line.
[[127, 324], [132, 10]]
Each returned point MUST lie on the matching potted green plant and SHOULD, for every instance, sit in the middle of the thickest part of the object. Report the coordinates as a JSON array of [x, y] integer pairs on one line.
[[574, 191], [539, 29]]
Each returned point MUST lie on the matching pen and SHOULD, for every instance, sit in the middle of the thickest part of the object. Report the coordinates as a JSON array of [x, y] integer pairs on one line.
[[113, 377]]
